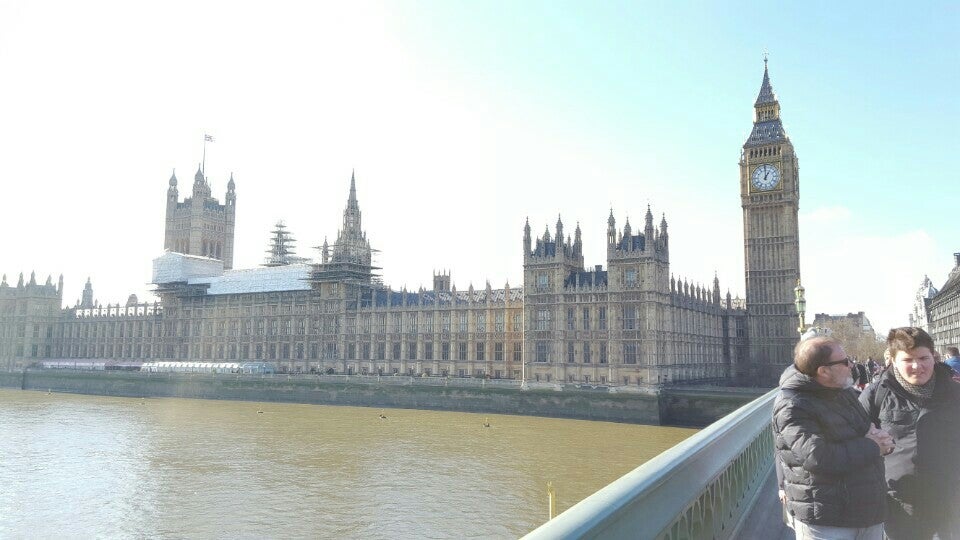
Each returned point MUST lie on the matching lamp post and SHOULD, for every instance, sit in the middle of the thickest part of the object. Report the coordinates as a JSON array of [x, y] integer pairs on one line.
[[801, 303]]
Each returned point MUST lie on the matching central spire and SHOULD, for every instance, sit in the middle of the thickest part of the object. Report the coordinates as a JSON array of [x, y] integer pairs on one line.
[[766, 94]]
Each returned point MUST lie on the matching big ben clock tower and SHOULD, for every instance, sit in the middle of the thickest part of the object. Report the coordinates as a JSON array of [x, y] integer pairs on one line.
[[770, 197]]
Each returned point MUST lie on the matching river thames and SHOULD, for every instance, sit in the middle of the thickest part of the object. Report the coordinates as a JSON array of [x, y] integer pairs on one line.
[[86, 466]]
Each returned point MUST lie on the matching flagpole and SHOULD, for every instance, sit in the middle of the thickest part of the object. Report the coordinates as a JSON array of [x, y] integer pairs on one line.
[[203, 166]]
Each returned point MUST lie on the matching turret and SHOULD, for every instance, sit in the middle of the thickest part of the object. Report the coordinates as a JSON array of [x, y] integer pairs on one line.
[[716, 289], [648, 227], [87, 300], [577, 242], [559, 234], [172, 193], [611, 229], [526, 238], [231, 197]]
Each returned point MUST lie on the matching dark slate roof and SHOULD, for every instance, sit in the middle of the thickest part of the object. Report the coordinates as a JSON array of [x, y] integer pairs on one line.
[[766, 132], [766, 94], [635, 242], [594, 278], [546, 249], [949, 288]]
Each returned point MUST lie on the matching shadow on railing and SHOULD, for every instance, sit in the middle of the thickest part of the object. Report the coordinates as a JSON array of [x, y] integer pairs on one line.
[[700, 488]]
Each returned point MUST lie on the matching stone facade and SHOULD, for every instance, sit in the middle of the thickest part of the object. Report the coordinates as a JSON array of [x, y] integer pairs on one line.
[[921, 304], [944, 310], [770, 197], [200, 225], [633, 323]]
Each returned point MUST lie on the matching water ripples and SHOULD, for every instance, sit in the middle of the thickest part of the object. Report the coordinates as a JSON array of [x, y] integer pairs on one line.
[[84, 466]]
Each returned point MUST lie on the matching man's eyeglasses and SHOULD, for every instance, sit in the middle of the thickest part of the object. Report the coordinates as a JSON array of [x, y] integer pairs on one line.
[[846, 361]]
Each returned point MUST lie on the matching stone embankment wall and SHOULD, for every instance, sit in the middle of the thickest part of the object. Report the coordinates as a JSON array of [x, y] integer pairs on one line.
[[688, 407]]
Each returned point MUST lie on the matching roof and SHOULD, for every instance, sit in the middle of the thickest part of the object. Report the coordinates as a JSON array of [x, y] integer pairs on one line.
[[291, 277], [766, 132]]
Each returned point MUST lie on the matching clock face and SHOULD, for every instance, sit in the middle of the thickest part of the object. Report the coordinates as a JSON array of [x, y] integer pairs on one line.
[[766, 177]]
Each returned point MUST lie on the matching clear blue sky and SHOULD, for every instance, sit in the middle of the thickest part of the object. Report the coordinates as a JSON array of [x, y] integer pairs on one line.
[[462, 119]]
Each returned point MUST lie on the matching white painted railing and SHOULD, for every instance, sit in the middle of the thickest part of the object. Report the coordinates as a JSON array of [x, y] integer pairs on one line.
[[700, 488]]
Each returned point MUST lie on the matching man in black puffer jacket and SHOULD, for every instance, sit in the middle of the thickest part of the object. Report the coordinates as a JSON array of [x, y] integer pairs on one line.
[[918, 403], [829, 456]]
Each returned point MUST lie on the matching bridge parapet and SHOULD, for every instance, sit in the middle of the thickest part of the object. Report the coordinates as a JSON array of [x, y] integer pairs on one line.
[[700, 488]]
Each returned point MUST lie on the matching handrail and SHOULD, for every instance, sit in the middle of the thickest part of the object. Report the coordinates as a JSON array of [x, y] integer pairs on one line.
[[700, 488]]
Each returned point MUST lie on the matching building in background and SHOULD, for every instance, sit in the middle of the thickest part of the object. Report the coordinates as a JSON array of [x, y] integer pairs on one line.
[[943, 312], [921, 304], [631, 323]]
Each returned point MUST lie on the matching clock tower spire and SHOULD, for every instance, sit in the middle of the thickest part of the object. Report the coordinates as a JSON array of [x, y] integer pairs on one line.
[[770, 198]]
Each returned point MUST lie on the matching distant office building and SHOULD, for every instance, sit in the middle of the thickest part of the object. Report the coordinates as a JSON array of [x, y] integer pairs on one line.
[[857, 321], [944, 310]]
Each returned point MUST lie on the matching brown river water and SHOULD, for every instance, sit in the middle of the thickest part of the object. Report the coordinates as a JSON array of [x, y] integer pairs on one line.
[[76, 466]]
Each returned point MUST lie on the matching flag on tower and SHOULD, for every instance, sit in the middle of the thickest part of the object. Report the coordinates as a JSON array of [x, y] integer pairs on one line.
[[207, 138]]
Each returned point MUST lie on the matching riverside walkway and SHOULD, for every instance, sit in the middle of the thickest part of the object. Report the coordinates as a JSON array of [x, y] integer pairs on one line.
[[718, 484]]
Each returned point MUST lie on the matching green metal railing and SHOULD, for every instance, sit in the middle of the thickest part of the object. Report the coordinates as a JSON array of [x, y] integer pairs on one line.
[[700, 488]]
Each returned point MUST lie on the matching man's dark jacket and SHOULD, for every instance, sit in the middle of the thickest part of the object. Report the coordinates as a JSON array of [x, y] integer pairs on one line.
[[922, 472], [831, 473]]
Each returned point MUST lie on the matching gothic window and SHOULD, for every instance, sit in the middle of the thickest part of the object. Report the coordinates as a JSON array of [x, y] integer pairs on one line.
[[602, 318], [445, 322], [396, 351], [498, 322], [498, 352], [381, 351], [381, 324], [412, 323], [428, 350], [461, 351], [428, 322], [542, 351], [481, 352], [365, 348], [481, 322], [571, 318], [630, 353], [517, 322], [586, 352], [462, 327], [629, 318], [571, 352], [630, 277], [395, 326], [586, 318], [543, 281], [444, 351], [603, 353], [543, 319]]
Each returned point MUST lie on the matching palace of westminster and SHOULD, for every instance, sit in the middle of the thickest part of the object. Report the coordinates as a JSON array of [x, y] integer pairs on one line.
[[630, 323]]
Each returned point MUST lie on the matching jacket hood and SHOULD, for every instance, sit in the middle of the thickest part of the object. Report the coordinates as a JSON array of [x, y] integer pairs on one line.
[[792, 379]]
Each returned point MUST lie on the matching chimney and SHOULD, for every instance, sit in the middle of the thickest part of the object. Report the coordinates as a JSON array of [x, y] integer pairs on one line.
[[956, 260]]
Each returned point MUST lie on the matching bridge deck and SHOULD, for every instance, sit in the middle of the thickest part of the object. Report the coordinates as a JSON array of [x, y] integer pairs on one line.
[[765, 520]]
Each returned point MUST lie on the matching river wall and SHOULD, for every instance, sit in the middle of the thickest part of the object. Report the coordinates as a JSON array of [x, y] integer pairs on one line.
[[686, 407]]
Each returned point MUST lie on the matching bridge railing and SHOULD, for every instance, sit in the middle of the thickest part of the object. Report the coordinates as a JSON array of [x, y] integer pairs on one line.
[[700, 488]]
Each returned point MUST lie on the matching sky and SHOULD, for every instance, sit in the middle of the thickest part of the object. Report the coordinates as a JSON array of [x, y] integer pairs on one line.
[[463, 119]]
